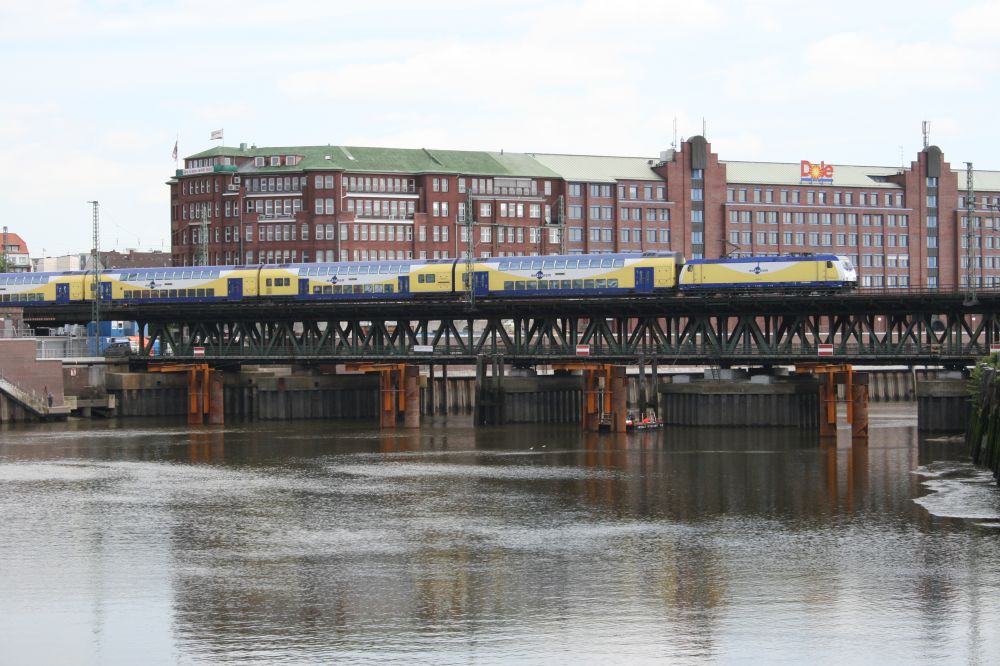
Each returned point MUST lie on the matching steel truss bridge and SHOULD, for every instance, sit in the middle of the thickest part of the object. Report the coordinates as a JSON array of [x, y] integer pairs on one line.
[[863, 328]]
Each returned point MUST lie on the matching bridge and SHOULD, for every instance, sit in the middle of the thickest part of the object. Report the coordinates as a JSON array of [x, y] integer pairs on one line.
[[867, 327]]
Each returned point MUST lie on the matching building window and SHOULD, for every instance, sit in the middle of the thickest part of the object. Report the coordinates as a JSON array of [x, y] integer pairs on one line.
[[697, 194]]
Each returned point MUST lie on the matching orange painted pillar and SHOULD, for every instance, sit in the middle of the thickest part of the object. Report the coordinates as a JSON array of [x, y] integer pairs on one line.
[[591, 414], [619, 398], [411, 397], [195, 398], [827, 398], [387, 398], [216, 399], [859, 398]]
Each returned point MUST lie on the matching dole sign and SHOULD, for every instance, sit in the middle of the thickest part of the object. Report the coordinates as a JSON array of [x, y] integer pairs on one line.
[[816, 173]]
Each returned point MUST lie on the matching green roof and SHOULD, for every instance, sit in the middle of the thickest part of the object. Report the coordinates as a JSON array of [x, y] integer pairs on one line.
[[393, 160]]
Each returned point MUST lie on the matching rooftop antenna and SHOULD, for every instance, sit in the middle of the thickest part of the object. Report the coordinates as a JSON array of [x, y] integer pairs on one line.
[[95, 283], [704, 127], [971, 236], [925, 127], [674, 144]]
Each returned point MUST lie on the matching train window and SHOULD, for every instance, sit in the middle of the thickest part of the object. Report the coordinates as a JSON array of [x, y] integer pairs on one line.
[[519, 285], [186, 275], [543, 284], [358, 289], [362, 270], [565, 283], [613, 283], [369, 288], [329, 289], [508, 285], [560, 263], [420, 279], [173, 293], [388, 288], [548, 264], [607, 263], [601, 284], [503, 266], [317, 289], [531, 285], [572, 263], [394, 270], [431, 278], [383, 269], [829, 264], [267, 283], [404, 269], [587, 284], [690, 268], [352, 270], [619, 263]]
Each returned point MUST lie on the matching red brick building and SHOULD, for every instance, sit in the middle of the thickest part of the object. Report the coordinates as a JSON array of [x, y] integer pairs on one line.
[[904, 227]]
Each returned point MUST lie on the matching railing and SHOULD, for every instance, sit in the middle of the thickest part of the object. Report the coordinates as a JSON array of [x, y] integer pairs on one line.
[[411, 189], [30, 398]]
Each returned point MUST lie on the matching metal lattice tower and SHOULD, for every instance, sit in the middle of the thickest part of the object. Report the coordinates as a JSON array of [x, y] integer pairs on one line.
[[471, 247], [95, 265], [971, 237], [6, 268]]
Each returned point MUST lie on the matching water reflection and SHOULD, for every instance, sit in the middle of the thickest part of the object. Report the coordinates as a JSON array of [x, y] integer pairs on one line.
[[321, 542]]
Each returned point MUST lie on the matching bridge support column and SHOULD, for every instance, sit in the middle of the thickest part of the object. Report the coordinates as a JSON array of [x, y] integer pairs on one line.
[[216, 399], [859, 404], [619, 398], [827, 407], [429, 407], [411, 396], [855, 395], [387, 389], [591, 399]]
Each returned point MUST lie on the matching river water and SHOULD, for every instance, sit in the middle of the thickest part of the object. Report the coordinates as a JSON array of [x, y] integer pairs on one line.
[[128, 542]]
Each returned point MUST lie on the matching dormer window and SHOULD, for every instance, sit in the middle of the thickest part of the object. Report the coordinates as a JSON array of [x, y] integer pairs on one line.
[[275, 160], [258, 161]]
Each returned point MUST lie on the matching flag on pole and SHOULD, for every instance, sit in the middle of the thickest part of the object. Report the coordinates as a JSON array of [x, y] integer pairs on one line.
[[216, 134], [174, 154]]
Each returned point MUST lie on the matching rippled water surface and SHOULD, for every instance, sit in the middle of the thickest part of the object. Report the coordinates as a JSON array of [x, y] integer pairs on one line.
[[146, 542]]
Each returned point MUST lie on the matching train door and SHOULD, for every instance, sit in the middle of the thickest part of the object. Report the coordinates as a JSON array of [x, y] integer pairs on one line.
[[404, 284], [303, 286], [62, 293], [644, 280], [105, 291], [480, 283], [234, 288]]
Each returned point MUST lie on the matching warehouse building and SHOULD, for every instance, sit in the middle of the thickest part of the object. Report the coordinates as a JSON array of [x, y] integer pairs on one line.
[[904, 227]]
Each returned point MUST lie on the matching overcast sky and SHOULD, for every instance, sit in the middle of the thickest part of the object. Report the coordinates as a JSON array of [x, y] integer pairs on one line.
[[95, 93]]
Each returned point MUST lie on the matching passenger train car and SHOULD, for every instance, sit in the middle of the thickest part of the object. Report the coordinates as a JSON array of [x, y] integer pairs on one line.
[[620, 274], [817, 271]]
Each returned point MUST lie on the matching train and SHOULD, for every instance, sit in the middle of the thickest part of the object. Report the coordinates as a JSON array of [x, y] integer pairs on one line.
[[616, 274]]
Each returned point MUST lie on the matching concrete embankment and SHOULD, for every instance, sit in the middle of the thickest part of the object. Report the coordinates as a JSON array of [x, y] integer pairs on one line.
[[983, 433]]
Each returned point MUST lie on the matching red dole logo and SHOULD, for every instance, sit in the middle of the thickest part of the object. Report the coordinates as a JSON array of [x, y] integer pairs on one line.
[[816, 173]]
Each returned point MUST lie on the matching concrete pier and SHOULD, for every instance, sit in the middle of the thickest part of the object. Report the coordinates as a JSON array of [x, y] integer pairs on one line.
[[709, 402], [943, 404]]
